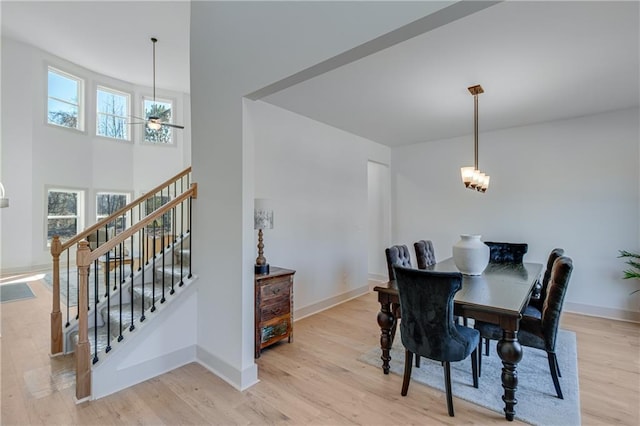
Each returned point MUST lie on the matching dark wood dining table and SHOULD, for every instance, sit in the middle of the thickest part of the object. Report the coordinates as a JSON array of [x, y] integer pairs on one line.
[[498, 296]]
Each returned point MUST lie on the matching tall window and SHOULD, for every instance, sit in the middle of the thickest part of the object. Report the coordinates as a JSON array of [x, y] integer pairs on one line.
[[65, 98], [161, 109], [112, 113], [110, 202], [64, 213]]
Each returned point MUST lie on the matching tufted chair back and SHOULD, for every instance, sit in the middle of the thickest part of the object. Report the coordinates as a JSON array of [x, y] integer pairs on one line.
[[426, 303], [397, 255], [552, 307], [541, 291], [425, 254], [500, 252]]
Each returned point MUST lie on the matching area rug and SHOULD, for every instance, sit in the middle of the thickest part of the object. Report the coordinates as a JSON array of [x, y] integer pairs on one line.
[[72, 288], [537, 401], [16, 291]]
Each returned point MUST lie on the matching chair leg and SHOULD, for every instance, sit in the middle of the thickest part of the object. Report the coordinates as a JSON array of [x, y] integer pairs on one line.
[[486, 349], [408, 358], [465, 321], [474, 367], [553, 366], [478, 353], [417, 361], [447, 386]]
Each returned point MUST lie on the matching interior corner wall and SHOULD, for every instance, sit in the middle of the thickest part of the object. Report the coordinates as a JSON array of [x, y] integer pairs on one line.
[[236, 49], [570, 183], [36, 154], [315, 178]]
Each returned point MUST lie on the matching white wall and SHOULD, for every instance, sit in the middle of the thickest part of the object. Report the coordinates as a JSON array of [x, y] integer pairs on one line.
[[238, 48], [315, 178], [571, 183], [35, 154]]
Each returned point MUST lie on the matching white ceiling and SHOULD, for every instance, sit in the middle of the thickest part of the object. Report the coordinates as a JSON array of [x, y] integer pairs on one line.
[[109, 37], [537, 61]]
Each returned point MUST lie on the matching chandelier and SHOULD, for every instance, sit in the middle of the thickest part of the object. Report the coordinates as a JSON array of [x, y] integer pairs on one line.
[[472, 177]]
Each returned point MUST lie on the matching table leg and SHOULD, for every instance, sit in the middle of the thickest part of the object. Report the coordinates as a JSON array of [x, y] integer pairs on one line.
[[387, 323], [510, 353]]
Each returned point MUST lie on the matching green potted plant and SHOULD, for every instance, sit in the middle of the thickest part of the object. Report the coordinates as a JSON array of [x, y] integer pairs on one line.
[[634, 262]]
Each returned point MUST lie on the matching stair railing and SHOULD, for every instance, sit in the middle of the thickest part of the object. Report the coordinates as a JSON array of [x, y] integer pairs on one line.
[[86, 257], [130, 212]]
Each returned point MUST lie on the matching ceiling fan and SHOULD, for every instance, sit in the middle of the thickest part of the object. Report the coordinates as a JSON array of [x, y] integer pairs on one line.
[[154, 122]]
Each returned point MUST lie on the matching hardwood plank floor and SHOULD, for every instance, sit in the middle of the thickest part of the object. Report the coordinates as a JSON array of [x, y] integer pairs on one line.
[[317, 380]]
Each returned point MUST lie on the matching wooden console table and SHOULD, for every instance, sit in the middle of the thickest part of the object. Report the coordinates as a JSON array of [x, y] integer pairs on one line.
[[273, 308]]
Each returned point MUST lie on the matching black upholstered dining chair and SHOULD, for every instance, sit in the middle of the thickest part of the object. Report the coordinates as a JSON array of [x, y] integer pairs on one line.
[[540, 333], [501, 252], [428, 329], [425, 253], [397, 255], [534, 308]]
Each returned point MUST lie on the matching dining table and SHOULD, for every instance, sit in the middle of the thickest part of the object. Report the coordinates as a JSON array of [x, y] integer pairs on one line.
[[499, 296]]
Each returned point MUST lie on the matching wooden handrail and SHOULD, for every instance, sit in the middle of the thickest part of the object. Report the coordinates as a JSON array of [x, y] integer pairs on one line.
[[83, 235], [102, 249]]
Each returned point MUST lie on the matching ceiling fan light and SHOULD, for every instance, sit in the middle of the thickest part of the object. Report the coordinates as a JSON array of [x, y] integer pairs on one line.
[[154, 125]]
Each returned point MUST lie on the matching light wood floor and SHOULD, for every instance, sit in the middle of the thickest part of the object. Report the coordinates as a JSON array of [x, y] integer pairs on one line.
[[315, 380]]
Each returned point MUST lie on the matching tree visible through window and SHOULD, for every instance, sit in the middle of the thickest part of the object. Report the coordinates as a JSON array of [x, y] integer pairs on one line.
[[65, 92], [161, 109], [108, 203], [163, 224], [112, 113], [63, 213]]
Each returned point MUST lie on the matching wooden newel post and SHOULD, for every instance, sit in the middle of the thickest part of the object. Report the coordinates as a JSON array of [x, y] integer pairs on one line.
[[56, 315], [83, 348]]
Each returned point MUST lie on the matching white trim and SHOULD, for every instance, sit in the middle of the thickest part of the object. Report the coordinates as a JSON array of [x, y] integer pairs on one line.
[[602, 312], [328, 303]]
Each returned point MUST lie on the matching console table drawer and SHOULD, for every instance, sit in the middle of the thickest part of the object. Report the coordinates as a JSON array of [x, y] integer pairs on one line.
[[276, 308], [275, 330], [275, 287]]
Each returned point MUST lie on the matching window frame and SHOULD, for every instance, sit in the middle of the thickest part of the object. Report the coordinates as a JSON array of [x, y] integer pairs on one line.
[[172, 132], [80, 214], [128, 127], [80, 92]]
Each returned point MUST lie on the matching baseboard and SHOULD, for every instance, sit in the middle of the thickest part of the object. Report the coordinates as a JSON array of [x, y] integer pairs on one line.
[[378, 278], [602, 312], [239, 379], [323, 305], [34, 269]]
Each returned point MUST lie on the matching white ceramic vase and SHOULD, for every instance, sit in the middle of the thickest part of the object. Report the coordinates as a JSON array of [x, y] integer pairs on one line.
[[470, 254]]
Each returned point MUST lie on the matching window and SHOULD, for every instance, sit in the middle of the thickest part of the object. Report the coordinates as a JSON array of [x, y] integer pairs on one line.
[[64, 213], [110, 202], [112, 113], [161, 109], [64, 102], [163, 223]]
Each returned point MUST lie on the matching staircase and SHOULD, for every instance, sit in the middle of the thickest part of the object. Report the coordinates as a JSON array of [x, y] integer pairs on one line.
[[134, 301], [142, 268]]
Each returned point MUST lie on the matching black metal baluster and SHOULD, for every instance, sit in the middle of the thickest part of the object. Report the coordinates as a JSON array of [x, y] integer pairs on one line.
[[182, 244], [68, 307], [96, 290], [173, 252], [144, 246], [108, 348], [190, 236], [153, 272], [162, 299]]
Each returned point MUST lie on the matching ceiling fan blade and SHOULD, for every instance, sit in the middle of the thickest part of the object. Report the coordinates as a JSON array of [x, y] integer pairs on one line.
[[177, 126], [137, 122]]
